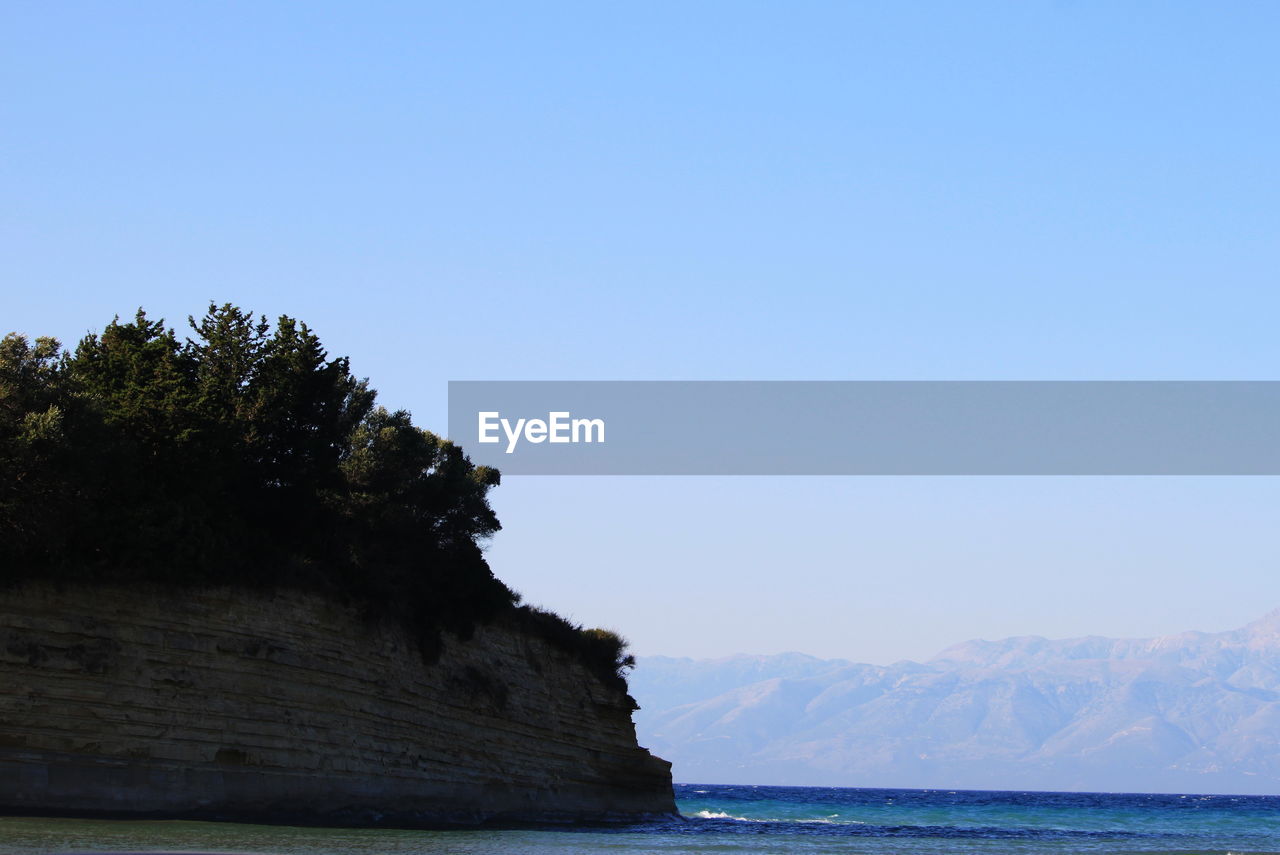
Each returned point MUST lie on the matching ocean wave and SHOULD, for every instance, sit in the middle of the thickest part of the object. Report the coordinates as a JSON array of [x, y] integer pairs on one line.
[[712, 814], [722, 821], [828, 820]]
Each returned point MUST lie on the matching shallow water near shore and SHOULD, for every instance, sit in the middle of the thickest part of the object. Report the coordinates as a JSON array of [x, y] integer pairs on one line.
[[726, 819]]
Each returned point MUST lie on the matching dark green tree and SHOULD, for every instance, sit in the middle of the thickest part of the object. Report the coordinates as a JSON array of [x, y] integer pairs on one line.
[[246, 455], [33, 447]]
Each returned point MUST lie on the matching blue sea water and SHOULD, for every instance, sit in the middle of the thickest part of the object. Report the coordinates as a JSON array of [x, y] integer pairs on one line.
[[940, 821], [726, 820]]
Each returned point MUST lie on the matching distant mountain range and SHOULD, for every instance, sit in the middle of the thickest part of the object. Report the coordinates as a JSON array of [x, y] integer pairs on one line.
[[1196, 712]]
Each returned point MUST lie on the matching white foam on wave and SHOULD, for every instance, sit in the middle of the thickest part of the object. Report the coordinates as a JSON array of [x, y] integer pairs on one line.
[[717, 814], [830, 820]]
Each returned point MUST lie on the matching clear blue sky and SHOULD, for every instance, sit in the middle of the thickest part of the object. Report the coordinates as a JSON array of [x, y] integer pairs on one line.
[[1038, 190]]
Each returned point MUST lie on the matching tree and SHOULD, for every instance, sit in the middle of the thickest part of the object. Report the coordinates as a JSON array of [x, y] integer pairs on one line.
[[32, 445], [245, 455]]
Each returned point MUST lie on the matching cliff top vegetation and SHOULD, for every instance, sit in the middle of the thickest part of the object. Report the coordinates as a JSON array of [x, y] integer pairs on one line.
[[244, 455]]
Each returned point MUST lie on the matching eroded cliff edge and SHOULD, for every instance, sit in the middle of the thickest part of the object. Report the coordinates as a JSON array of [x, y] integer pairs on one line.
[[287, 707]]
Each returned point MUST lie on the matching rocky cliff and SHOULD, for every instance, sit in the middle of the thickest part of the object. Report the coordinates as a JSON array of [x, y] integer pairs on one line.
[[286, 707]]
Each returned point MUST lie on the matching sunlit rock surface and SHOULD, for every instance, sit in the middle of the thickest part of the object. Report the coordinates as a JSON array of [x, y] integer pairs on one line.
[[234, 705]]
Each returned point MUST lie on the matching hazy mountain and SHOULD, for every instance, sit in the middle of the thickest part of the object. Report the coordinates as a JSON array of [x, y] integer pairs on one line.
[[1194, 712]]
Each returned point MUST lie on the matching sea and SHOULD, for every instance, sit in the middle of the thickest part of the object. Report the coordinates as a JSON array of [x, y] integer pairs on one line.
[[727, 820]]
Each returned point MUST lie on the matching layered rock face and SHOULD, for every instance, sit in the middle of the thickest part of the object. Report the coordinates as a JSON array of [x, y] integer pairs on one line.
[[285, 707]]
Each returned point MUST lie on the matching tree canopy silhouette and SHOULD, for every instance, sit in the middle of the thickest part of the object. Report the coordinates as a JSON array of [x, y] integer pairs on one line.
[[243, 454]]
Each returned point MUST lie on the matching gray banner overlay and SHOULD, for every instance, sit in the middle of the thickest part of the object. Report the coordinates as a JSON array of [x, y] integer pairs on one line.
[[869, 428]]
